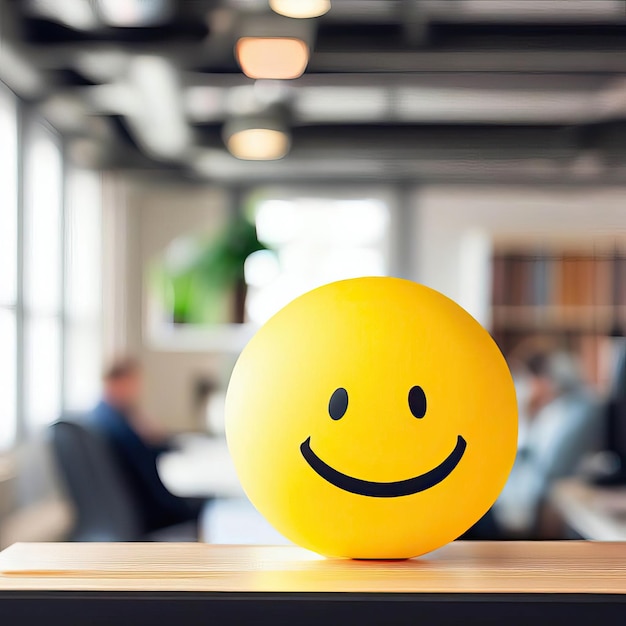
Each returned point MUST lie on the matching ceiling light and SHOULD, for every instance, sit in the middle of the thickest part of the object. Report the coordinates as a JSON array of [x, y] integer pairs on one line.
[[272, 57], [256, 139], [259, 144], [300, 8]]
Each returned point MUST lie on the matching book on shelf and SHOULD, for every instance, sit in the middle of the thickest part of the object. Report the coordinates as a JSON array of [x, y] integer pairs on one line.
[[540, 281], [620, 281], [564, 280], [603, 281], [578, 297]]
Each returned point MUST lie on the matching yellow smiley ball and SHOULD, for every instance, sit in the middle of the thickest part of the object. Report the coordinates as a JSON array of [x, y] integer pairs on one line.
[[372, 418]]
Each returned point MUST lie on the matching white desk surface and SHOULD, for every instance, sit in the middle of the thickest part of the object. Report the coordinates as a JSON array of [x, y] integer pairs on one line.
[[201, 468], [597, 513]]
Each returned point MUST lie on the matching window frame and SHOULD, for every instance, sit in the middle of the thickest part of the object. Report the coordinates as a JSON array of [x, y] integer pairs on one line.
[[14, 308]]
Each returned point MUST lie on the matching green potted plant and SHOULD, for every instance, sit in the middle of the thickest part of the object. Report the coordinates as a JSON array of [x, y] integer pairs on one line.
[[209, 285], [221, 266]]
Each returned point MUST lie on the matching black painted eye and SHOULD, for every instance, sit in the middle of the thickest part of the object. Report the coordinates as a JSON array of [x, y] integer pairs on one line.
[[417, 402], [338, 404]]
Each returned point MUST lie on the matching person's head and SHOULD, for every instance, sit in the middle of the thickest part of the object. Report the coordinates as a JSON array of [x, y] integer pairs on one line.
[[543, 372], [122, 382]]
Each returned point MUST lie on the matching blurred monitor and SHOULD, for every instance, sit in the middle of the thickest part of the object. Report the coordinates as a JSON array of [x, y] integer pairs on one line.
[[616, 419]]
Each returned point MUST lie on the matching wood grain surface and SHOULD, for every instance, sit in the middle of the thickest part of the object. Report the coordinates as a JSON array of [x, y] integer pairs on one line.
[[461, 567]]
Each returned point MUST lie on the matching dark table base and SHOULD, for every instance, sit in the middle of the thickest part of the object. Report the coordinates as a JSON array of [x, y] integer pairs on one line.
[[341, 609]]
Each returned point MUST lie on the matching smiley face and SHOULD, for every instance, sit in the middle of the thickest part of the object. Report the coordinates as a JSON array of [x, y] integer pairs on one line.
[[337, 408], [372, 418]]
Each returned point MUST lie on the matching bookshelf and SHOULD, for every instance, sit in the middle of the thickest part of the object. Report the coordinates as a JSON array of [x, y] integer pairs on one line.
[[576, 294]]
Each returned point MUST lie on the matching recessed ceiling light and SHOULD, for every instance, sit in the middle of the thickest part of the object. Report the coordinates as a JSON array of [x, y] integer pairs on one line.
[[301, 9], [276, 58]]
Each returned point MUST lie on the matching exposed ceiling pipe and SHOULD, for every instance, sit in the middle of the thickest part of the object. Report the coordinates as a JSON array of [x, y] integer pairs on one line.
[[542, 10], [134, 13], [502, 11], [156, 117], [76, 14], [92, 14], [16, 69], [18, 73], [220, 166]]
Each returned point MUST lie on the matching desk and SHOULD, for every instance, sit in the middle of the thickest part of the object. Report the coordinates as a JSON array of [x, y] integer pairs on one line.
[[201, 467], [597, 513], [465, 582]]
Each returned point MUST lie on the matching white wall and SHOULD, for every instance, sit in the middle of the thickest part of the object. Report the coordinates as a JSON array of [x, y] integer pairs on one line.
[[143, 218]]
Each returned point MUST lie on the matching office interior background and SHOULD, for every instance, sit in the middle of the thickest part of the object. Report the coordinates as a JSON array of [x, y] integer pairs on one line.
[[173, 173]]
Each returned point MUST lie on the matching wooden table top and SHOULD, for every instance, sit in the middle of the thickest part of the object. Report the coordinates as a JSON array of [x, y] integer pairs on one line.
[[460, 567]]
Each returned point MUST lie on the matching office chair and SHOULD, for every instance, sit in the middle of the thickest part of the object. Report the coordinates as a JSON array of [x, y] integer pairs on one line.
[[105, 507]]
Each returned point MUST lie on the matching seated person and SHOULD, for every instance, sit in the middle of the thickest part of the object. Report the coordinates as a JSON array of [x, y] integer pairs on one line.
[[137, 443], [558, 426]]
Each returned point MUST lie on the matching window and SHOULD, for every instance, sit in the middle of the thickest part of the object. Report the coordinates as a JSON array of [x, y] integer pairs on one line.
[[43, 265], [42, 373], [82, 290], [8, 361], [50, 285], [8, 268], [316, 241]]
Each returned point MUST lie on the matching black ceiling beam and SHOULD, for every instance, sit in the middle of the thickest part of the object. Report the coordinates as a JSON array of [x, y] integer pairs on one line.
[[426, 141], [469, 61]]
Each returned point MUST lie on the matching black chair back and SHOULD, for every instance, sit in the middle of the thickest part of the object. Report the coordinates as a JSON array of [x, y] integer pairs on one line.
[[105, 507]]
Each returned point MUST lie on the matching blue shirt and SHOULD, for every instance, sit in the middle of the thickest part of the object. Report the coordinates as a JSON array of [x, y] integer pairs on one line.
[[138, 463]]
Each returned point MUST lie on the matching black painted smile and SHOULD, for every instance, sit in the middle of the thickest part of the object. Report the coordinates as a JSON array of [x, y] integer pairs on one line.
[[384, 490]]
